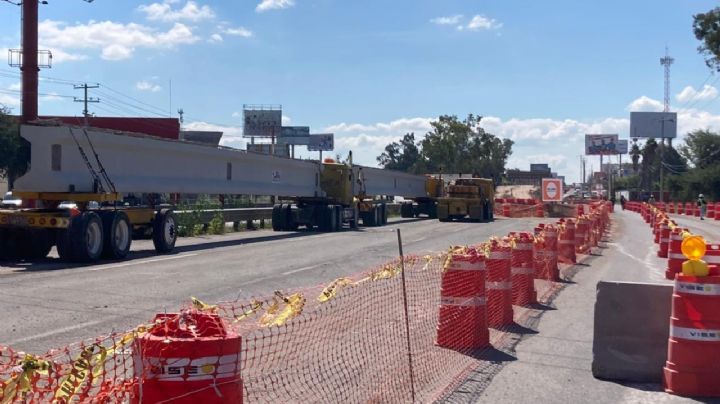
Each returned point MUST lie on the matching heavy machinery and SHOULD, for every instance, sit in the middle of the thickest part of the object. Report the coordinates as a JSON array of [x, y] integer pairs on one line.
[[426, 204], [94, 169], [467, 198]]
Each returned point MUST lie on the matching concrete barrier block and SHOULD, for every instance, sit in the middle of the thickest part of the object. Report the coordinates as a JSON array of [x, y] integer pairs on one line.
[[632, 322]]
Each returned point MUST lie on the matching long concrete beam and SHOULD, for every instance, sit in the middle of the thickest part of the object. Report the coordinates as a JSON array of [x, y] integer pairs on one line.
[[136, 163]]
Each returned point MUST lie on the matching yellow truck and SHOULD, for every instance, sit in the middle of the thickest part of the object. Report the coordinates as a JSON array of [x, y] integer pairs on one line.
[[467, 198]]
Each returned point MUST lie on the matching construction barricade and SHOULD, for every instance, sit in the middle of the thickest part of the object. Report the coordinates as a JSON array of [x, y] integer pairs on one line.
[[499, 288], [675, 256], [522, 269], [566, 241], [664, 239], [693, 364], [462, 322]]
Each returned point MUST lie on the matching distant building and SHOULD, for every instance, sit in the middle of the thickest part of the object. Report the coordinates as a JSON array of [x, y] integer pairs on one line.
[[545, 168], [204, 137], [533, 177]]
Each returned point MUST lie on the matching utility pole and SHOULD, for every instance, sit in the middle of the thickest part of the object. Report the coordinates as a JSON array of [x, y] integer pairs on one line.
[[85, 100]]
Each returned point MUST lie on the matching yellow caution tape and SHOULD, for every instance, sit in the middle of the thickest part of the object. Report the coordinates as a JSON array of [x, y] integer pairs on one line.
[[283, 309], [200, 305], [254, 307], [21, 382], [331, 290], [386, 272]]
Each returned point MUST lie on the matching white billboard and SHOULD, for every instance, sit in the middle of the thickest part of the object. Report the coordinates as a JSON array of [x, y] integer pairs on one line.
[[601, 145], [622, 146], [262, 122], [653, 124], [322, 142], [294, 135]]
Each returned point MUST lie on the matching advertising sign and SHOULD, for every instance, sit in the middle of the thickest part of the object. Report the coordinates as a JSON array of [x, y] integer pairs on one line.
[[552, 190], [294, 135], [601, 145], [653, 124], [622, 146], [262, 122], [322, 142]]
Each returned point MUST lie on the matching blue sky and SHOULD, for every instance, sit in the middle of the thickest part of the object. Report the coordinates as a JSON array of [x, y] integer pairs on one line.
[[543, 73]]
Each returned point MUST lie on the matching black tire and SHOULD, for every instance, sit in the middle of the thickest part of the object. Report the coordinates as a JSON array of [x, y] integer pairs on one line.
[[4, 244], [278, 214], [384, 214], [325, 218], [432, 211], [290, 224], [406, 210], [337, 211], [164, 231], [82, 241], [368, 217], [118, 234]]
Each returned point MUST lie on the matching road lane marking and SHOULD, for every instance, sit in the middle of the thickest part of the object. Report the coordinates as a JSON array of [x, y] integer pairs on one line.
[[294, 271], [54, 332], [129, 264]]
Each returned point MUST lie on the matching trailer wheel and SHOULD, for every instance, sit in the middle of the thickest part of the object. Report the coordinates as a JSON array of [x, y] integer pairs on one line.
[[4, 245], [383, 214], [326, 218], [278, 213], [290, 224], [164, 231], [337, 211], [83, 239], [118, 234], [432, 211], [406, 210]]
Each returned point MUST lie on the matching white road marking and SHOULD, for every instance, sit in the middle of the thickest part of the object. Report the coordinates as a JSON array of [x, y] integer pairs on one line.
[[294, 271], [129, 264], [53, 332]]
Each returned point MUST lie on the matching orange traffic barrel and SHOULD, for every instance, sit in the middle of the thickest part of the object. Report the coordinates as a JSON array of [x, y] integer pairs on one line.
[[712, 258], [522, 270], [580, 210], [498, 283], [188, 357], [693, 364], [566, 242], [550, 234], [539, 210], [664, 240], [582, 229], [675, 255], [711, 209], [506, 210], [462, 321]]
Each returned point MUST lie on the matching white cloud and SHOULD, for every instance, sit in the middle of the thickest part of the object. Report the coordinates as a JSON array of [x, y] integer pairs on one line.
[[239, 31], [60, 56], [480, 22], [115, 40], [645, 104], [232, 135], [215, 38], [688, 94], [266, 5], [164, 12], [147, 86], [15, 86], [402, 126], [286, 120], [51, 96], [9, 100], [450, 20]]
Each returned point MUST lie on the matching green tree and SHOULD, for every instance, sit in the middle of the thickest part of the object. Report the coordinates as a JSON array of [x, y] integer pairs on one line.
[[14, 150], [635, 155], [702, 148], [650, 162], [706, 27], [402, 156]]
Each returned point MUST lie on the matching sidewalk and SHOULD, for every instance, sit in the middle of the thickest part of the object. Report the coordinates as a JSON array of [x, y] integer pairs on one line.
[[553, 366]]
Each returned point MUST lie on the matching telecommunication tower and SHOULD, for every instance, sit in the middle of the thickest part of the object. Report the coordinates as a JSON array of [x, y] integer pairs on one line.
[[666, 62]]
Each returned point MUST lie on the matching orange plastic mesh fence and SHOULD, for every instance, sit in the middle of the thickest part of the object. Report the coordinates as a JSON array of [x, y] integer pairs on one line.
[[344, 341]]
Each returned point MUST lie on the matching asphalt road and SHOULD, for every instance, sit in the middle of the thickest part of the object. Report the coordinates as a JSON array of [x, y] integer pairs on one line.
[[49, 304]]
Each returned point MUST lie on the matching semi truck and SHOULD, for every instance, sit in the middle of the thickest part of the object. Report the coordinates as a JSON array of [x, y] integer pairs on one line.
[[467, 198], [94, 168], [425, 204]]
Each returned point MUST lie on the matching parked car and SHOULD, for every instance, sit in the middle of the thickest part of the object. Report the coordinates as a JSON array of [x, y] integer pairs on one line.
[[10, 201]]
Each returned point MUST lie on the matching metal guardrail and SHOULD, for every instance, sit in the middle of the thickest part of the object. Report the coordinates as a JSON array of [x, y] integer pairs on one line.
[[232, 215]]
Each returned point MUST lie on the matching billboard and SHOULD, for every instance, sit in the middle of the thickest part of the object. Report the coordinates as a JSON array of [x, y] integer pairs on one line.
[[322, 142], [266, 148], [622, 146], [552, 190], [294, 135], [262, 122], [653, 124], [601, 145]]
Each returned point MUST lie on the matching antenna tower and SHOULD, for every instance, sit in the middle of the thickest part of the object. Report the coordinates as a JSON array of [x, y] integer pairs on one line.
[[666, 62]]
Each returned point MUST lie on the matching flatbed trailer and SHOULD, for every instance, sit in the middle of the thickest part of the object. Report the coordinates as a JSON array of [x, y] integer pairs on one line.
[[100, 166]]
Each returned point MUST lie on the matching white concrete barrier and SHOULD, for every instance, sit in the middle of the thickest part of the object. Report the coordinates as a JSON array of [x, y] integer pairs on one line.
[[632, 322]]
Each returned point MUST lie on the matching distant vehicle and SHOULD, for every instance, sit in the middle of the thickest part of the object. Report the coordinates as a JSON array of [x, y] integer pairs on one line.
[[10, 201]]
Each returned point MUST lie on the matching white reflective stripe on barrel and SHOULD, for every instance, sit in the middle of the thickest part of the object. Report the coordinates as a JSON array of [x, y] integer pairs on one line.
[[664, 240], [463, 301], [676, 256], [466, 266], [522, 271], [676, 237], [550, 234], [499, 255], [523, 246], [566, 241], [712, 259], [550, 253], [707, 289], [578, 235], [498, 285], [695, 334]]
